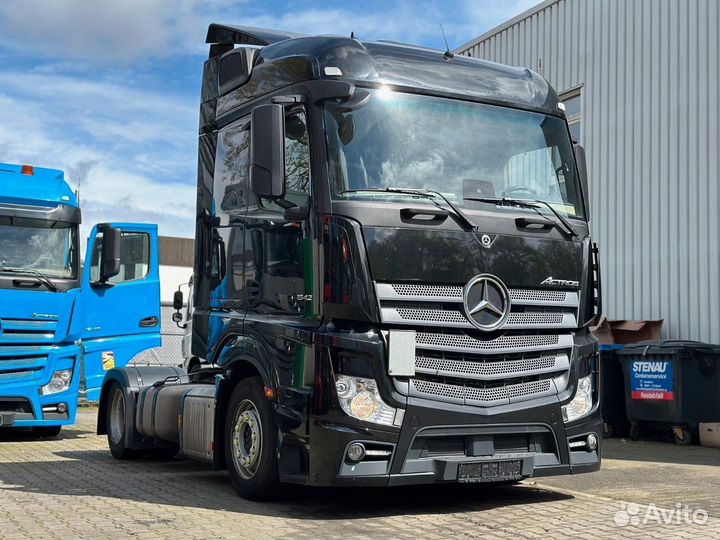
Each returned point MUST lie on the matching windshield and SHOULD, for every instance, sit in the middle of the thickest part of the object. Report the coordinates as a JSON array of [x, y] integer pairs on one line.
[[48, 247], [457, 148]]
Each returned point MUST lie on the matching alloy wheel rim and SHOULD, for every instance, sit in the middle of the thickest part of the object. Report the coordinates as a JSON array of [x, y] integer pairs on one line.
[[246, 439]]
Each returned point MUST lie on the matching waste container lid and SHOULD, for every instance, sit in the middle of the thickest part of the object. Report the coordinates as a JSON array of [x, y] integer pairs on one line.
[[669, 346]]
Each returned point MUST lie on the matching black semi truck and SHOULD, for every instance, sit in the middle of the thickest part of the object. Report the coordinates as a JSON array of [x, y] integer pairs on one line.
[[393, 280]]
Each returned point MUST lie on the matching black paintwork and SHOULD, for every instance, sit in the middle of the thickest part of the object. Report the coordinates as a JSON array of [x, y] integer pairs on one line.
[[290, 319]]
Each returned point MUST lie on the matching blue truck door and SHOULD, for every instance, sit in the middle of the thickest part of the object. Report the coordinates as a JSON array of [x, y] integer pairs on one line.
[[121, 317]]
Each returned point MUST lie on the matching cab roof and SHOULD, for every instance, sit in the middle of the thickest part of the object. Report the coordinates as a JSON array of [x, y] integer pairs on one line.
[[294, 55], [34, 186]]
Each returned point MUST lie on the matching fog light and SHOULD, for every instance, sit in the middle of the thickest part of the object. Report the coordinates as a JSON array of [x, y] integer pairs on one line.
[[592, 442], [62, 408], [59, 382], [356, 451]]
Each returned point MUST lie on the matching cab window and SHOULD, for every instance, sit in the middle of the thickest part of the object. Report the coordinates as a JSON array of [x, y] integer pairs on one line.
[[134, 257]]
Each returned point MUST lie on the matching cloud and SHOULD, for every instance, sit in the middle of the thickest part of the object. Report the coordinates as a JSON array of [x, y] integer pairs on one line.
[[107, 90], [132, 152], [107, 32]]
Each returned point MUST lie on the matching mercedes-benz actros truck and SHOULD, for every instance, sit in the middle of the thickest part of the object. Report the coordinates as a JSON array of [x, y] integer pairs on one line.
[[394, 275], [63, 326]]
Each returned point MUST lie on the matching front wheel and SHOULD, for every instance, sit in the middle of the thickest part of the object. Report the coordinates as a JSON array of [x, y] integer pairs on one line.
[[47, 431], [117, 424], [251, 442]]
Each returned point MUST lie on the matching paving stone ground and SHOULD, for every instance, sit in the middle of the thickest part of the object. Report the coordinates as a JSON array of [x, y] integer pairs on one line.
[[70, 487]]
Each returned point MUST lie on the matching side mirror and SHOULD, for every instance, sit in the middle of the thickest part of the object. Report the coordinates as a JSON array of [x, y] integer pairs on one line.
[[178, 301], [110, 255], [267, 151], [582, 172]]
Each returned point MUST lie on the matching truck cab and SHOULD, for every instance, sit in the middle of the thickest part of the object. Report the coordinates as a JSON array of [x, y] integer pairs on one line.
[[394, 273], [62, 325]]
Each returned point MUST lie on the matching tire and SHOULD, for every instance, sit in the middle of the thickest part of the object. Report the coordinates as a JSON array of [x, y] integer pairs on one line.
[[117, 423], [251, 441], [47, 431], [686, 438]]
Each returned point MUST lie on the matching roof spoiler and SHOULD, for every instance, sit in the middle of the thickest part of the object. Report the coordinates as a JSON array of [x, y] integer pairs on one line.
[[223, 34]]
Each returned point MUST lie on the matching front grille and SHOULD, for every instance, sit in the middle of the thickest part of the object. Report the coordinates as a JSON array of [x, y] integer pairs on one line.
[[18, 375], [499, 369], [27, 331], [454, 362], [484, 397]]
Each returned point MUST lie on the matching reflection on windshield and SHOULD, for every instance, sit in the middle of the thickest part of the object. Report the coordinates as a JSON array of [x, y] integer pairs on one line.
[[47, 247], [457, 148]]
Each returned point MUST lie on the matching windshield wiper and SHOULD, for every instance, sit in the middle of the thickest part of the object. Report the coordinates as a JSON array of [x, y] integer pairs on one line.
[[42, 278], [467, 223], [525, 203]]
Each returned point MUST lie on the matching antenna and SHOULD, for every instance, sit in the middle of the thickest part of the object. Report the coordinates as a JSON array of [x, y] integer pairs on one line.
[[448, 53]]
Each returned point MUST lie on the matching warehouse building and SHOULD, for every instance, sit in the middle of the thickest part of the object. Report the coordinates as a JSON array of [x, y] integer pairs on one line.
[[640, 83]]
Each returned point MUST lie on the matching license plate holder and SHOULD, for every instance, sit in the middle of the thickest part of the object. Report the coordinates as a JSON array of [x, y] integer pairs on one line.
[[490, 471]]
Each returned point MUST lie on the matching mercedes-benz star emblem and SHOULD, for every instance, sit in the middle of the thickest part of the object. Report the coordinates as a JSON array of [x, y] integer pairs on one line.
[[487, 302], [485, 240]]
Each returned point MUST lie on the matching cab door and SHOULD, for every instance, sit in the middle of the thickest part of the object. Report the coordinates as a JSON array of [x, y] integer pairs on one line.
[[120, 315]]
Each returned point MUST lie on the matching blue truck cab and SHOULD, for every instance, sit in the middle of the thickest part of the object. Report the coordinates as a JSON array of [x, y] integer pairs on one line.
[[64, 324]]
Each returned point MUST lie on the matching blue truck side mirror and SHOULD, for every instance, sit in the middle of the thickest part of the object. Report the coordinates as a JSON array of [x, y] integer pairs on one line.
[[110, 257]]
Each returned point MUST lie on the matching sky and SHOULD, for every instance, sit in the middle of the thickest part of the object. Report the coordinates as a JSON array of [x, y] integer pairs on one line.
[[108, 90]]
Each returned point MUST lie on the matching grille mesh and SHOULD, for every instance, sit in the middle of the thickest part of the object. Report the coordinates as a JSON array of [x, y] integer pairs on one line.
[[462, 341], [19, 349], [487, 396], [538, 296], [431, 315], [13, 375], [29, 324], [535, 318], [445, 291], [460, 367]]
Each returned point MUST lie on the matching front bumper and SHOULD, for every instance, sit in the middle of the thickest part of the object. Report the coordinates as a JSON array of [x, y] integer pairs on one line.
[[432, 444], [21, 403]]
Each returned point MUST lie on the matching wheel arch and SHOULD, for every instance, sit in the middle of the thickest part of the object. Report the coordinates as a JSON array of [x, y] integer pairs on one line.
[[241, 359]]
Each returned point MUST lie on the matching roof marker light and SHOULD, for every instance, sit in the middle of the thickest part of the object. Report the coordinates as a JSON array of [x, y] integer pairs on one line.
[[28, 170], [332, 71], [561, 106]]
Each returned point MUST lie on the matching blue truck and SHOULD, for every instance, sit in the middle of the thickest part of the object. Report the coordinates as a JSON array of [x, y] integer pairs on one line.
[[64, 324]]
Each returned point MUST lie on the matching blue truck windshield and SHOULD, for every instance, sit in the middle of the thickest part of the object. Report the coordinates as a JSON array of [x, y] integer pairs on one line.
[[48, 247], [460, 149]]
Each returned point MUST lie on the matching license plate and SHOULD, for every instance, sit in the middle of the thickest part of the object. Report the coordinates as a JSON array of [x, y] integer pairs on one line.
[[480, 471]]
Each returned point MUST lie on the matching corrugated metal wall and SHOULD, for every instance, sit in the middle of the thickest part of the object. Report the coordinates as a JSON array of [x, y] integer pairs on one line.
[[650, 94]]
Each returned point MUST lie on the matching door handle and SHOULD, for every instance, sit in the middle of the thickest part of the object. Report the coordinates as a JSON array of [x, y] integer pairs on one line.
[[534, 223], [24, 284], [436, 215], [149, 322]]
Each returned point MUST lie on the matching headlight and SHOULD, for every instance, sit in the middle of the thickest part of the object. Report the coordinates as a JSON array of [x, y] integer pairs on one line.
[[360, 399], [582, 403], [59, 383]]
